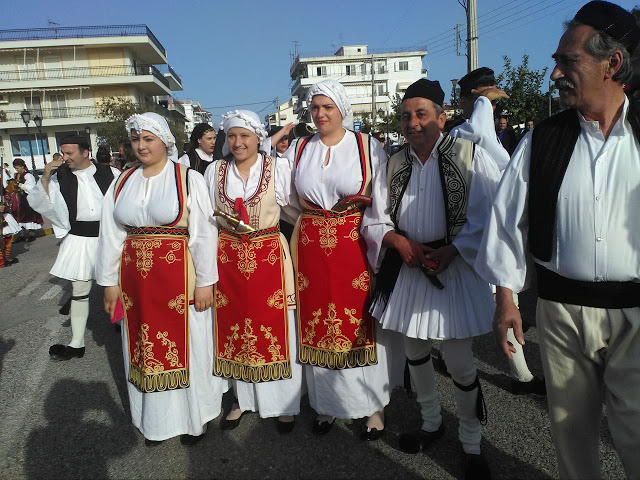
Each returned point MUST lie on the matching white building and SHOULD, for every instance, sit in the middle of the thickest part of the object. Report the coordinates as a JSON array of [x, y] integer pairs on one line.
[[351, 65], [284, 114], [194, 114], [62, 74]]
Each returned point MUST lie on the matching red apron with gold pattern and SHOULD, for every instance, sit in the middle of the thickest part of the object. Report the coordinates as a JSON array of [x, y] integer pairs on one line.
[[251, 307], [335, 329], [156, 281]]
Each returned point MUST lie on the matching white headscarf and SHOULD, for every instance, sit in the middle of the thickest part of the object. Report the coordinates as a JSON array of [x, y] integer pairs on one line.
[[156, 124], [336, 92], [244, 119]]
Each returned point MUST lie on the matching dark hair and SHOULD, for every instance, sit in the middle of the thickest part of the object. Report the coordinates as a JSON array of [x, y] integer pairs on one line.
[[127, 152], [103, 155], [503, 116], [601, 45], [18, 162], [485, 80], [82, 142]]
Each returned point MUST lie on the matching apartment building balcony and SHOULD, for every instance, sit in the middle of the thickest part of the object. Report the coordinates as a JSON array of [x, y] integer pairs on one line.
[[175, 82], [146, 76], [52, 116], [139, 38]]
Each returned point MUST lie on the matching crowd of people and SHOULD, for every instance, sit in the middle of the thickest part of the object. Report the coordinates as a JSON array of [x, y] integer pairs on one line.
[[385, 256]]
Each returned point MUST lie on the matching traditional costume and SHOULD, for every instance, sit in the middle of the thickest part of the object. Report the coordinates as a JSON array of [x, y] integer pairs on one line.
[[73, 204], [196, 158], [9, 228], [344, 350], [28, 219], [255, 298], [155, 242], [569, 200], [443, 201]]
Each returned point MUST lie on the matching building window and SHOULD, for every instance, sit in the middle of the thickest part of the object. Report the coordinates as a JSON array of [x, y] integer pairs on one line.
[[403, 66], [52, 67], [363, 69], [26, 67], [351, 70], [32, 103], [381, 89], [20, 145], [321, 71], [382, 68]]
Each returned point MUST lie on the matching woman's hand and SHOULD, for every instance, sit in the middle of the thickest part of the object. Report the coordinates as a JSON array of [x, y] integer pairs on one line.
[[203, 298], [111, 296]]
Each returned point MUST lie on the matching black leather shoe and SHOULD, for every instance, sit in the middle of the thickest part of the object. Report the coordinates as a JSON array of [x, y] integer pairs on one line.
[[476, 467], [231, 424], [412, 442], [285, 427], [537, 386], [322, 428], [372, 434], [151, 443], [189, 440], [65, 352]]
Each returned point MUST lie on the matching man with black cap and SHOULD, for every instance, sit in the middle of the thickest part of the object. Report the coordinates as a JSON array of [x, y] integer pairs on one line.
[[429, 206], [70, 194], [201, 146], [569, 201]]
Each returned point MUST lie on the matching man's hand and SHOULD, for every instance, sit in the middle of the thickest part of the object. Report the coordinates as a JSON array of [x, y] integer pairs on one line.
[[203, 298], [111, 296], [492, 93], [443, 256], [49, 170], [412, 253], [507, 316]]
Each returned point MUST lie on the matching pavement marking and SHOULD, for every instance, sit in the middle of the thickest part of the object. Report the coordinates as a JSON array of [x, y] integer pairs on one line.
[[31, 286], [53, 292]]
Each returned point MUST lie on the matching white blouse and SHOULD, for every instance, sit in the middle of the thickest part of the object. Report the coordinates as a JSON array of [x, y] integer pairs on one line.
[[325, 185], [597, 221], [154, 201]]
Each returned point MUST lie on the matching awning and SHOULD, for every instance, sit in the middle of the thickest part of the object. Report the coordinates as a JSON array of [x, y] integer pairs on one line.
[[402, 86], [47, 89]]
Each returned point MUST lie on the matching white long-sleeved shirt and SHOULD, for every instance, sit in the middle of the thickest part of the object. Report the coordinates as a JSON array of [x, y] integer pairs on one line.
[[154, 201], [53, 206], [480, 129], [597, 221]]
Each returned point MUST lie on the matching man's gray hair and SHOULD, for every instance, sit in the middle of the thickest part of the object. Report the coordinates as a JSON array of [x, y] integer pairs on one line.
[[438, 108], [601, 45]]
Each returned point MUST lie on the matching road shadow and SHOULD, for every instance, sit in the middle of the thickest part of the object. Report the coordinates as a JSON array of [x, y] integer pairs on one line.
[[85, 429], [5, 346]]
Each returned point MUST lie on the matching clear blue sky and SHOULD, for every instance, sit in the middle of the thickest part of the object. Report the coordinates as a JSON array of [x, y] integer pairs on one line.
[[230, 53]]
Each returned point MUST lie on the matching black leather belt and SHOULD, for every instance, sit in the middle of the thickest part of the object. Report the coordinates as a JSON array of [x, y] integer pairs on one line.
[[85, 229]]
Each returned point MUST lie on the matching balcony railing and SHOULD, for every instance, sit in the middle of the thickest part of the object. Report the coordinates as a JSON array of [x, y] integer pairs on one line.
[[82, 72], [49, 113], [169, 69], [178, 107], [81, 32]]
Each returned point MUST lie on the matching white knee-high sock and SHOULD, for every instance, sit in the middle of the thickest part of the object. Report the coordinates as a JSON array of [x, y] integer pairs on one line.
[[518, 364], [79, 312], [470, 430], [423, 379]]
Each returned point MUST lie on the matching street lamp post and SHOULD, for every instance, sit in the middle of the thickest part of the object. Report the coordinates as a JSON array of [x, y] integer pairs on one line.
[[26, 118], [38, 121], [454, 82]]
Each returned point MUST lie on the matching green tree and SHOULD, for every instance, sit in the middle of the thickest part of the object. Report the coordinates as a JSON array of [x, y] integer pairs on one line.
[[117, 109], [524, 87], [391, 121]]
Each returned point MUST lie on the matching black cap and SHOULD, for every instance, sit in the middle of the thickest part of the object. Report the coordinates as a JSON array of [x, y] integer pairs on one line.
[[480, 77], [274, 129], [424, 88], [613, 20], [79, 140]]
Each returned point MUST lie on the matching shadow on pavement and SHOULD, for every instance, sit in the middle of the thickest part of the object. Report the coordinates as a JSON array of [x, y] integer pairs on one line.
[[85, 430], [5, 346]]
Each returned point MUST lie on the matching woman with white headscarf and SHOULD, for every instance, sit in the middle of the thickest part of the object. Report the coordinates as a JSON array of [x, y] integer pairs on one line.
[[343, 347], [155, 256], [255, 298]]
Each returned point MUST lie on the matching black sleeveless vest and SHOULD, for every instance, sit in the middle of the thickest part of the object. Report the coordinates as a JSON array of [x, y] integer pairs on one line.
[[69, 186], [553, 142]]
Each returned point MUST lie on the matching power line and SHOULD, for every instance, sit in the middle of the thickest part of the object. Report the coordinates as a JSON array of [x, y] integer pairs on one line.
[[237, 105], [399, 22]]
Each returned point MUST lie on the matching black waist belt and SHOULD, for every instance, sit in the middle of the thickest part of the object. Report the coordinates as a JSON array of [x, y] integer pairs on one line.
[[85, 229], [557, 288]]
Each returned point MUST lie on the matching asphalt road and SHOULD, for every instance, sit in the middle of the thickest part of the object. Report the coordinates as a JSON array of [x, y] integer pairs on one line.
[[71, 419]]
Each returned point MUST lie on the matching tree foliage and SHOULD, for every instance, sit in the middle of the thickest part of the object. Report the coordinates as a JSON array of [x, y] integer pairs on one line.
[[117, 109], [524, 87], [391, 121]]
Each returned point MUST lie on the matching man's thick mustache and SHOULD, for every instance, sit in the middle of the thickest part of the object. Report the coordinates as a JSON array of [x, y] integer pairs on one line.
[[563, 83]]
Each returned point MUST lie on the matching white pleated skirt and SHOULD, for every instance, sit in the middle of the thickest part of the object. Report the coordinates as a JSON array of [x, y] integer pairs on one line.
[[358, 392], [464, 308], [163, 415], [76, 258], [12, 226], [279, 397]]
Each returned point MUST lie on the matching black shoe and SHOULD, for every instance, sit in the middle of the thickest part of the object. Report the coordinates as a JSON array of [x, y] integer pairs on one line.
[[65, 352], [189, 440], [536, 386], [476, 467], [231, 424], [322, 428], [151, 443], [285, 427], [13, 261], [372, 434], [412, 442]]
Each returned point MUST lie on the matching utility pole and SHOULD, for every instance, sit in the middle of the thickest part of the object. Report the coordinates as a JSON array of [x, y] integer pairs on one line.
[[278, 110], [373, 93], [472, 35]]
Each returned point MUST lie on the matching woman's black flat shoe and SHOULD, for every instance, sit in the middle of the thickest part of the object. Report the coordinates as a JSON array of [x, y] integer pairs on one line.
[[189, 440], [285, 427], [151, 443], [322, 428], [231, 424], [372, 434]]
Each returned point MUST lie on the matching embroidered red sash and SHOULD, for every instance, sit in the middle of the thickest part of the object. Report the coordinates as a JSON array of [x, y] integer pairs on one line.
[[154, 278], [251, 317], [335, 329]]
